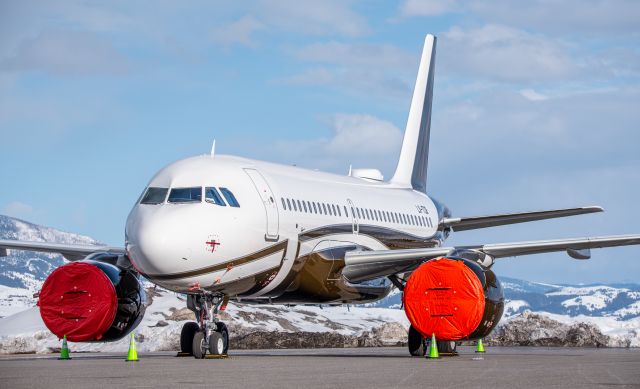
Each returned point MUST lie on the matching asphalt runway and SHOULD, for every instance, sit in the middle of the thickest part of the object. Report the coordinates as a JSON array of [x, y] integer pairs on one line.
[[500, 367]]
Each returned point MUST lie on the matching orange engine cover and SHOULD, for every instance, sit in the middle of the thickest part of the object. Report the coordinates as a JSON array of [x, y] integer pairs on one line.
[[444, 297]]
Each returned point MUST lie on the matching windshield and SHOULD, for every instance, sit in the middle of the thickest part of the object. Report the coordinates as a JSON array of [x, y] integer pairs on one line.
[[185, 195], [154, 196], [213, 196]]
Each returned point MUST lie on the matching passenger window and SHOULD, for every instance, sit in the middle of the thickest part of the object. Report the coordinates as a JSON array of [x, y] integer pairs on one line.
[[284, 205], [185, 195], [231, 199], [154, 196], [295, 206], [346, 214], [304, 205], [309, 207], [299, 205], [211, 195], [315, 209], [333, 207], [289, 203], [358, 212], [339, 213], [324, 208]]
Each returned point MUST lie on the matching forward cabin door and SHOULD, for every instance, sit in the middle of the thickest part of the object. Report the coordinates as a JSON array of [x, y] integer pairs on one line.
[[269, 202]]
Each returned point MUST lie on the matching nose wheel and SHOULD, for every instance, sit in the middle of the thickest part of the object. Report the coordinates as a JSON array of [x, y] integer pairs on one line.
[[208, 335]]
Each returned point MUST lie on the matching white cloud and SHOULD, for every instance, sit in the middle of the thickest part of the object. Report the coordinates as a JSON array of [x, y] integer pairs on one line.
[[504, 53], [532, 95], [428, 7], [66, 52], [238, 32], [18, 209], [327, 17], [367, 56], [359, 139]]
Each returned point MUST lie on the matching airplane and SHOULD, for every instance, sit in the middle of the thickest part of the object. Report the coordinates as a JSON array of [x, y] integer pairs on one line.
[[220, 228]]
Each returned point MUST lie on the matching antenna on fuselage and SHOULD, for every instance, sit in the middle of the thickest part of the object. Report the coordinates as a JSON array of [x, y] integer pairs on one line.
[[213, 149]]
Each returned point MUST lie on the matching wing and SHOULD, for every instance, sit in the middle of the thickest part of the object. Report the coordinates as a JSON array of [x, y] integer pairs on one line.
[[73, 252], [366, 265], [472, 223]]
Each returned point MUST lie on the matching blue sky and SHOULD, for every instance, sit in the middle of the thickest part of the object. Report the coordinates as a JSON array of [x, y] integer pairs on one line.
[[537, 105]]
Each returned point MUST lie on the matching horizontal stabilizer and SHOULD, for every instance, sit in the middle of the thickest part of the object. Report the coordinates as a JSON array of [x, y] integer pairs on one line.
[[476, 222]]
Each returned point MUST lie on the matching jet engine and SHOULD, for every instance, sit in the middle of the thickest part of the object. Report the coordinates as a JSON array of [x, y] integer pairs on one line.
[[454, 299], [92, 300]]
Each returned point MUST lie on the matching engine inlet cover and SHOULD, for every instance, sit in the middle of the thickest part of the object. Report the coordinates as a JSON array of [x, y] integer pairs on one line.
[[444, 297], [78, 300]]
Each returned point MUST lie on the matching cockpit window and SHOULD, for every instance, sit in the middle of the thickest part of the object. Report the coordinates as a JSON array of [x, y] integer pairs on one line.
[[231, 199], [154, 196], [211, 195], [185, 195]]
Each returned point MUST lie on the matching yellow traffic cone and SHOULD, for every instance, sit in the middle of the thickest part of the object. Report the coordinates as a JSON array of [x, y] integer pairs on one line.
[[479, 347], [64, 351], [433, 348], [132, 356]]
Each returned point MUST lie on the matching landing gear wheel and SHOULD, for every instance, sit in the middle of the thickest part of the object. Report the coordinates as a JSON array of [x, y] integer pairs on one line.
[[446, 346], [216, 344], [416, 343], [222, 329], [199, 349], [186, 337]]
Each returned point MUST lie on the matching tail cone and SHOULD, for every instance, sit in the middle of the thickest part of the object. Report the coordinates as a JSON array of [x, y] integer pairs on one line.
[[132, 356]]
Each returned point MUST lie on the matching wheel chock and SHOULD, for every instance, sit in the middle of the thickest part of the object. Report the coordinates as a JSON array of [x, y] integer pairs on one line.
[[221, 356], [181, 355]]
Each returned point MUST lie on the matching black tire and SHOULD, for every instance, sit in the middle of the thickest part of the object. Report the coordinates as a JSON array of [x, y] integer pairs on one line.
[[216, 344], [416, 343], [186, 337], [446, 346], [222, 329], [199, 351]]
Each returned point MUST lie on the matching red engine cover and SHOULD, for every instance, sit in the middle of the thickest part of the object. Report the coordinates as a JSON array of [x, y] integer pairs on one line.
[[78, 300], [444, 297]]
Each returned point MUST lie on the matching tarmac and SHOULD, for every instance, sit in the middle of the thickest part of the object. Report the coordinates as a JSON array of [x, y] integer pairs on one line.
[[499, 367]]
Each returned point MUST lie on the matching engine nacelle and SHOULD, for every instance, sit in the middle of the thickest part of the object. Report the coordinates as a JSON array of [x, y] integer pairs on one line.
[[454, 299], [91, 301]]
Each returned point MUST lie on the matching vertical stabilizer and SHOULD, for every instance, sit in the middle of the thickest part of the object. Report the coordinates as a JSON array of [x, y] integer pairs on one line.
[[412, 165]]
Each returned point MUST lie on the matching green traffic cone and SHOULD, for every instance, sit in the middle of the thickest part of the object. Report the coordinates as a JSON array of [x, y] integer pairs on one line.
[[479, 347], [433, 347], [64, 351], [132, 356]]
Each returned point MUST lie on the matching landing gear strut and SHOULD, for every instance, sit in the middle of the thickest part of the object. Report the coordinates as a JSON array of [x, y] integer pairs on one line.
[[208, 335]]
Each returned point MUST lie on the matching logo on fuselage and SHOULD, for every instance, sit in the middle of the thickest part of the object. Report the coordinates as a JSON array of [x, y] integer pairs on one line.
[[211, 243]]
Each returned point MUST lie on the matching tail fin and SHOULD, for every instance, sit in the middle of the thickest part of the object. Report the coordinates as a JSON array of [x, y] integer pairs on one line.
[[412, 165]]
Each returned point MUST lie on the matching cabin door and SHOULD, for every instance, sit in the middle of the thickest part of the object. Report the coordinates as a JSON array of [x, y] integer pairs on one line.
[[354, 217], [269, 202]]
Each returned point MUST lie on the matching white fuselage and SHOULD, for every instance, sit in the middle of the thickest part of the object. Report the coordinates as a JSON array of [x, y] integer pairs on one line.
[[285, 215]]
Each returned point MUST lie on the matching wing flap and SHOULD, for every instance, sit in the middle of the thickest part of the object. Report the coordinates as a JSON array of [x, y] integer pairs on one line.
[[367, 265], [476, 222]]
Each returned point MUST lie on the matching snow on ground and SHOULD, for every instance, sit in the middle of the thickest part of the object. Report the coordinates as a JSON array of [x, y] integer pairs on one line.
[[512, 307]]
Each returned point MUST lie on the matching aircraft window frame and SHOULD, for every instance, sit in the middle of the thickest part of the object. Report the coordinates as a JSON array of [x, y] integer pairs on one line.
[[156, 189], [217, 198], [192, 190], [230, 197]]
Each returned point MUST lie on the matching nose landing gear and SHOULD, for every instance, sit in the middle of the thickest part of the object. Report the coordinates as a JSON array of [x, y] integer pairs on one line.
[[208, 335]]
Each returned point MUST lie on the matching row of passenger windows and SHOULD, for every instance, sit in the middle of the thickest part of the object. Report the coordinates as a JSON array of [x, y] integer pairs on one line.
[[361, 213], [190, 195]]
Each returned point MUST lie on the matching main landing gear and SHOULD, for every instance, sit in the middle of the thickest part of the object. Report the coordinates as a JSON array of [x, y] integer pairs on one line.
[[208, 335], [418, 345]]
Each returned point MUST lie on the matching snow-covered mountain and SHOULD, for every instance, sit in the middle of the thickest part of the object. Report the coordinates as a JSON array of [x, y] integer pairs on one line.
[[613, 310]]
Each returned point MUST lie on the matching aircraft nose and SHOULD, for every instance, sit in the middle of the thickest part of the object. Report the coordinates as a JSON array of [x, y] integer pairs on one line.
[[159, 241]]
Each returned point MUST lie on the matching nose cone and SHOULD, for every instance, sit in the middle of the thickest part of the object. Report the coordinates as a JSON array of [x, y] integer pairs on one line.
[[160, 239]]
